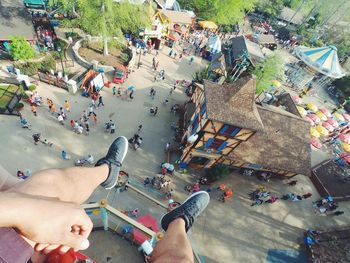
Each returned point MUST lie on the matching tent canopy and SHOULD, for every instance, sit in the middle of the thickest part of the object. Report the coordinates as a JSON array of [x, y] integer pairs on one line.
[[322, 59], [208, 24]]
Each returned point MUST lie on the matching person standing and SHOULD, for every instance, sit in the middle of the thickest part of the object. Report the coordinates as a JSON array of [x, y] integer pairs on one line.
[[112, 127], [167, 146], [155, 111], [139, 128], [151, 92], [34, 109], [60, 119], [100, 101], [67, 105], [114, 90]]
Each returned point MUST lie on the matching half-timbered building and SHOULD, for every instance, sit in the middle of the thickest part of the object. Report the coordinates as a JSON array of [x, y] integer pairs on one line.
[[230, 128]]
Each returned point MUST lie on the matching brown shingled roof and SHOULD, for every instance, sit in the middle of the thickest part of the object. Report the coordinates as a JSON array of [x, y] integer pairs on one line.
[[284, 144], [233, 103]]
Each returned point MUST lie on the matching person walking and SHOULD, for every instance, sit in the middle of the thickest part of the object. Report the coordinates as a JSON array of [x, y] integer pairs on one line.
[[94, 118], [100, 101], [139, 128], [66, 105], [119, 93], [114, 90], [60, 119], [33, 106], [91, 111], [131, 95], [49, 103]]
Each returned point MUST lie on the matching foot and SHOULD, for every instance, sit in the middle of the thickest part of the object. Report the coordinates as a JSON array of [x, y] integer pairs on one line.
[[188, 211], [114, 158]]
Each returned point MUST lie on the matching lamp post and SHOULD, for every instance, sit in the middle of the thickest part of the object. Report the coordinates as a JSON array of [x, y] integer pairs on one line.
[[139, 63], [59, 51]]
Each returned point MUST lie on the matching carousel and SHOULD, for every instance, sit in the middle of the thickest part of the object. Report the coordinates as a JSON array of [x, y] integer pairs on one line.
[[317, 67]]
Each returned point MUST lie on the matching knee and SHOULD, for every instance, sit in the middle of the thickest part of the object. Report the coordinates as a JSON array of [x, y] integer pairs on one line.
[[173, 257]]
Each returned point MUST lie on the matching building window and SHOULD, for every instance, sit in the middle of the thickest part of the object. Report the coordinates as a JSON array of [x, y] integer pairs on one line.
[[195, 123], [203, 109], [229, 130], [216, 144]]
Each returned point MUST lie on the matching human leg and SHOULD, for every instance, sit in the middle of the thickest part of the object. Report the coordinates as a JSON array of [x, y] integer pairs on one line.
[[76, 184], [73, 184], [7, 180], [174, 246]]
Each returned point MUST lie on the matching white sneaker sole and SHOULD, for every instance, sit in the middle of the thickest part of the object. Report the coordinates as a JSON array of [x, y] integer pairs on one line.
[[123, 157]]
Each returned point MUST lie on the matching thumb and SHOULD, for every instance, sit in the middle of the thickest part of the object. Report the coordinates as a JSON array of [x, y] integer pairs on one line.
[[76, 241]]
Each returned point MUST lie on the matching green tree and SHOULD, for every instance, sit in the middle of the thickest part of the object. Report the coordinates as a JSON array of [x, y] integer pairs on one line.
[[20, 49], [223, 12], [271, 7], [268, 70], [108, 19]]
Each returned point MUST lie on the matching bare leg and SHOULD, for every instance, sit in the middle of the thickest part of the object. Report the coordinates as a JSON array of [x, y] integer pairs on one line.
[[6, 179], [70, 184], [174, 247]]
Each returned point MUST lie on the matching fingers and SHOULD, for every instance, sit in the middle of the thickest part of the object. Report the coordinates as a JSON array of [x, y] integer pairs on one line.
[[75, 241]]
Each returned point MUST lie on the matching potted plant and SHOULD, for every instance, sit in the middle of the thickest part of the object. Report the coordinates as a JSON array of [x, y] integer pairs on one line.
[[19, 106]]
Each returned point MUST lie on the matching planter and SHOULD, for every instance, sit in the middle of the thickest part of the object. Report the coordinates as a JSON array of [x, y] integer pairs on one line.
[[19, 106]]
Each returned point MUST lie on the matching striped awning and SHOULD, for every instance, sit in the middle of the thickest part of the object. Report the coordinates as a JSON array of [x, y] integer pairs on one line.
[[324, 60]]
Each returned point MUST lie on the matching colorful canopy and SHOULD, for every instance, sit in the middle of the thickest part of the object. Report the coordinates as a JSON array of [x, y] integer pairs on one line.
[[322, 59], [326, 112], [208, 24], [334, 123], [321, 116], [314, 118], [316, 143], [328, 126], [338, 116], [309, 120], [276, 83], [297, 99], [346, 147], [346, 116], [302, 111], [322, 130], [345, 156], [314, 132], [344, 138], [312, 107], [214, 44]]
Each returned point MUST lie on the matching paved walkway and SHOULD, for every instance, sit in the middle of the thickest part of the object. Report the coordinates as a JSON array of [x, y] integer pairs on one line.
[[230, 232]]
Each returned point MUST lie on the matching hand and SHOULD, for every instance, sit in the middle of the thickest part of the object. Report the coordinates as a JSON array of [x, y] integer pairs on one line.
[[48, 221]]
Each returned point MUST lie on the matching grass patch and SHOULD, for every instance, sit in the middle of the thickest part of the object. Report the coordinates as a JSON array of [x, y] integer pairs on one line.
[[6, 94]]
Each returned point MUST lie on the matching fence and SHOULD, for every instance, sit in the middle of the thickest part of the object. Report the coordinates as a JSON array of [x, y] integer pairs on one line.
[[52, 80]]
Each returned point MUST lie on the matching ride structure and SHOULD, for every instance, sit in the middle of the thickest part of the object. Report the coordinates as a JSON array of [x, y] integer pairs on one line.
[[317, 67]]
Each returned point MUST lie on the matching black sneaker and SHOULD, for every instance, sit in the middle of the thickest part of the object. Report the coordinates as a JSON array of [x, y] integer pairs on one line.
[[114, 158], [193, 206]]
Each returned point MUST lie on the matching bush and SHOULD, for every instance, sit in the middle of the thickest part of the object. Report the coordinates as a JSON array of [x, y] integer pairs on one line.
[[124, 57], [217, 172], [32, 87], [25, 96], [47, 64], [29, 68], [19, 105], [55, 55], [73, 35], [20, 49]]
